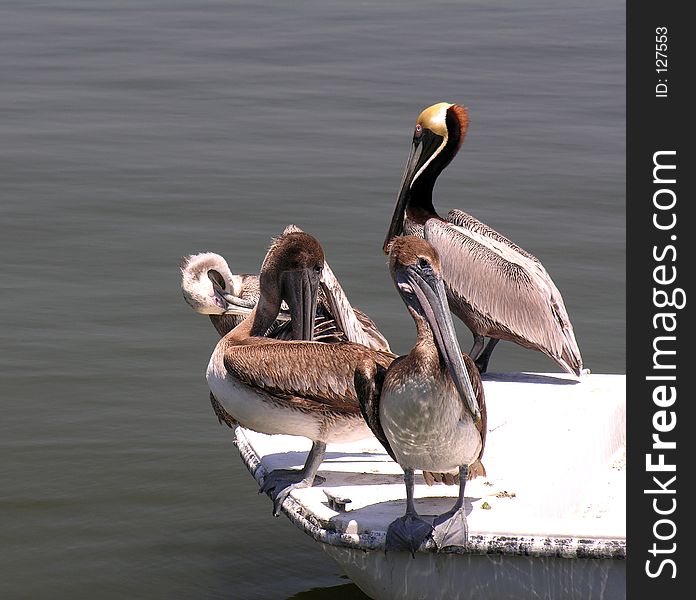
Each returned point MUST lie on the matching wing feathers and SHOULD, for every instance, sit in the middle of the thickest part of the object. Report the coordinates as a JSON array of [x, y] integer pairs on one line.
[[506, 286], [302, 370], [368, 384]]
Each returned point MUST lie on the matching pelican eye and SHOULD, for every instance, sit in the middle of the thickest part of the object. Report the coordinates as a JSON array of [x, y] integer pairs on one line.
[[419, 131], [318, 268], [215, 277], [423, 263]]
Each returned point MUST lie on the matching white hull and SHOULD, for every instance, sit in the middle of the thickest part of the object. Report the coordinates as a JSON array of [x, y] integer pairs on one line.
[[548, 522], [480, 577]]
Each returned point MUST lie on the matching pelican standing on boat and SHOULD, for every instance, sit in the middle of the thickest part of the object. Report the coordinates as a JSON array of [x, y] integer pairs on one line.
[[210, 287], [301, 387], [431, 413], [499, 290]]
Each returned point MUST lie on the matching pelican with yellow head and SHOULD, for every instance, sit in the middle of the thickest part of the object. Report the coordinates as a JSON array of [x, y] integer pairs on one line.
[[499, 290]]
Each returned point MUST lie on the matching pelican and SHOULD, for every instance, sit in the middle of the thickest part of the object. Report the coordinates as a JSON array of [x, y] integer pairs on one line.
[[499, 290], [291, 387], [210, 287], [431, 412]]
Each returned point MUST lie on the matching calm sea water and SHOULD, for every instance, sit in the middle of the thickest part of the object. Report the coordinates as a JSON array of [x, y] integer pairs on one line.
[[134, 132]]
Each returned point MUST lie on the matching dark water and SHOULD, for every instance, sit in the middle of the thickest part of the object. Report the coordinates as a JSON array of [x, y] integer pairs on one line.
[[133, 132]]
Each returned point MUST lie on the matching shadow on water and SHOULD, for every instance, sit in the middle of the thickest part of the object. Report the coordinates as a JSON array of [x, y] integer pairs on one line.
[[348, 591]]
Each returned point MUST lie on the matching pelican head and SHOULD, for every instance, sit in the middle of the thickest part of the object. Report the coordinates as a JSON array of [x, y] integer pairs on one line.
[[438, 134], [207, 283], [292, 271], [415, 268]]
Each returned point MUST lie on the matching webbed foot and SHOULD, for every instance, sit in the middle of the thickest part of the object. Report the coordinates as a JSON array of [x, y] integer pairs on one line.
[[279, 483], [407, 533], [451, 529]]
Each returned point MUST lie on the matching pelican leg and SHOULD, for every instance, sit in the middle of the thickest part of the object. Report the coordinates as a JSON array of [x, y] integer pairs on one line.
[[482, 361], [477, 347], [280, 482], [410, 531], [450, 528]]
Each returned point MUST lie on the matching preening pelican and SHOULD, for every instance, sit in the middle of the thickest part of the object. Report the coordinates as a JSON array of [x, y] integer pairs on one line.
[[210, 287], [431, 413], [293, 387], [499, 290]]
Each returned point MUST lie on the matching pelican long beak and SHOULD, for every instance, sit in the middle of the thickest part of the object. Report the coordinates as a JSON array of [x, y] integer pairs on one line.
[[234, 305], [219, 298], [299, 289], [396, 227], [422, 151], [426, 295], [238, 306]]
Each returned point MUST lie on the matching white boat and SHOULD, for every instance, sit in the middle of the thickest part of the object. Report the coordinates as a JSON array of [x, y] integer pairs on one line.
[[548, 521]]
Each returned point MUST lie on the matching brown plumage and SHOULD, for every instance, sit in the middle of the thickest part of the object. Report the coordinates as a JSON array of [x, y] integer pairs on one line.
[[410, 251], [432, 407], [210, 287], [221, 414], [318, 380], [292, 387], [310, 377], [499, 290]]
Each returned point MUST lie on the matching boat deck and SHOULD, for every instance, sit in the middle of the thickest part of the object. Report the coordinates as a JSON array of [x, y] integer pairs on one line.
[[555, 485]]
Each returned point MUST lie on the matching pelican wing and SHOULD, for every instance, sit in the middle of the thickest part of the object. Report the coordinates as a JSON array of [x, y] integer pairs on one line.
[[313, 375], [476, 469], [472, 224], [506, 247], [355, 324], [506, 285], [375, 339], [477, 384], [368, 385], [340, 307]]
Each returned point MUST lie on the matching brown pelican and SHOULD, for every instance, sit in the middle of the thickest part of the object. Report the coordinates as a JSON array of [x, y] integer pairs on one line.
[[431, 412], [210, 287], [293, 387], [498, 289]]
